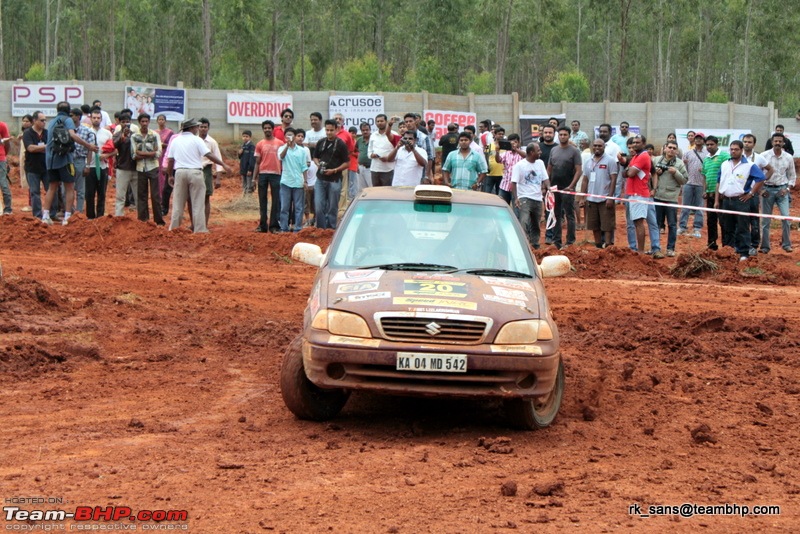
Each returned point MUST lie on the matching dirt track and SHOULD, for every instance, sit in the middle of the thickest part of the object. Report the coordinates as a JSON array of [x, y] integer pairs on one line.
[[139, 368]]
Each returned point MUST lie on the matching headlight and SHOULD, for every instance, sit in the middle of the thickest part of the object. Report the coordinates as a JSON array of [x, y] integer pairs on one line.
[[521, 332], [341, 323]]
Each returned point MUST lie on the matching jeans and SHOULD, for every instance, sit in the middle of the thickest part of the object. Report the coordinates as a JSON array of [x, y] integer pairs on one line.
[[326, 202], [292, 196], [652, 229], [713, 223], [352, 185], [96, 193], [737, 227], [671, 215], [491, 184], [247, 183], [692, 196], [530, 213], [768, 201], [35, 183], [755, 222], [564, 206], [80, 184], [274, 182], [5, 187], [148, 186]]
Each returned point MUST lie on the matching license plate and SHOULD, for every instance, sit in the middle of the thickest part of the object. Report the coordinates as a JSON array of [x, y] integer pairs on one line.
[[437, 363]]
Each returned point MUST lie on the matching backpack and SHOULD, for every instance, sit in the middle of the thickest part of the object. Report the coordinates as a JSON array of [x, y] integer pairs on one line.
[[63, 143]]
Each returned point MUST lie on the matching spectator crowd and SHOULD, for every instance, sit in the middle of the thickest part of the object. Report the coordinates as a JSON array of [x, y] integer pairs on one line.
[[308, 177]]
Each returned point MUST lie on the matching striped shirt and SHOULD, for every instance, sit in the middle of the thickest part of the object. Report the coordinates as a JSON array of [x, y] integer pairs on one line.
[[464, 170], [711, 166], [509, 159], [783, 169]]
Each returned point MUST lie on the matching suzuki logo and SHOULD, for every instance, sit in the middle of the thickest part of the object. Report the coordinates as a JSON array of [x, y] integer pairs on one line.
[[433, 329]]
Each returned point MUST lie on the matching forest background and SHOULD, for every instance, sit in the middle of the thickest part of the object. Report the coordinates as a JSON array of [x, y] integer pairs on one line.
[[545, 50]]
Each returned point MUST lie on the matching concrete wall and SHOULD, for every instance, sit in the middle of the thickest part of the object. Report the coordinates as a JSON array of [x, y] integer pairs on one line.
[[657, 119]]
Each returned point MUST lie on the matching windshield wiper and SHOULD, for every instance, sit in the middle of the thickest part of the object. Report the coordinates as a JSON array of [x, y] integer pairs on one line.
[[491, 272], [410, 267]]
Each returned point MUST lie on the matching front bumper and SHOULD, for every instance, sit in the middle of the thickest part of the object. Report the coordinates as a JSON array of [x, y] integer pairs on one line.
[[370, 364]]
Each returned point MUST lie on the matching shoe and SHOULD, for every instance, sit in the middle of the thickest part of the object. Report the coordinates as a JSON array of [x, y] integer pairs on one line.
[[752, 252], [764, 250], [696, 233], [671, 253], [682, 231], [787, 249], [744, 258], [713, 246], [260, 230], [48, 221], [658, 255], [548, 242], [649, 252], [662, 230], [26, 208], [65, 222]]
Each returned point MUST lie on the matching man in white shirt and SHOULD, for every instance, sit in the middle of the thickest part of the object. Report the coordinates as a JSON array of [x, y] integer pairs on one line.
[[409, 160], [776, 191], [185, 170], [97, 179], [316, 133], [529, 180], [749, 141], [381, 144]]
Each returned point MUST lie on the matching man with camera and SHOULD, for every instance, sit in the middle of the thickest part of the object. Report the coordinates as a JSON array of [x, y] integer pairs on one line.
[[409, 159], [126, 174], [331, 157], [669, 178]]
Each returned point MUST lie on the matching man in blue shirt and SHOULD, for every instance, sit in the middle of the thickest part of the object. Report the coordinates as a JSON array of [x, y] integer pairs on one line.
[[60, 168]]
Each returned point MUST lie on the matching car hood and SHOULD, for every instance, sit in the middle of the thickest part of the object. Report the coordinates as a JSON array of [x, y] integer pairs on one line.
[[369, 291]]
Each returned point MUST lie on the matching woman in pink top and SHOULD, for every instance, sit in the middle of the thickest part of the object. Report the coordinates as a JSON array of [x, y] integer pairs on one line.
[[165, 134]]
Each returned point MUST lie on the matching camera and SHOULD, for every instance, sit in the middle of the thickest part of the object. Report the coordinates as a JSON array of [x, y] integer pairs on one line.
[[662, 166]]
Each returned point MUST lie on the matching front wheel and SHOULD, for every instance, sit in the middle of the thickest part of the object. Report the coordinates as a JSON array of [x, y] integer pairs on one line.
[[304, 399], [533, 414]]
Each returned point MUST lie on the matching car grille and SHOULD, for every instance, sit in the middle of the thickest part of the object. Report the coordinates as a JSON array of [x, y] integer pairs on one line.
[[434, 329]]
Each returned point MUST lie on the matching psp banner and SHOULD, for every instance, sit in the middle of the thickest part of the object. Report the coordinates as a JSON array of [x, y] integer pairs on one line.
[[443, 118], [724, 135], [530, 126], [156, 101], [26, 98], [356, 108], [254, 108]]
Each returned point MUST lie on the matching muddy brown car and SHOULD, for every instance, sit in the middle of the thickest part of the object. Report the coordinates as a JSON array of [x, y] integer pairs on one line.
[[427, 291]]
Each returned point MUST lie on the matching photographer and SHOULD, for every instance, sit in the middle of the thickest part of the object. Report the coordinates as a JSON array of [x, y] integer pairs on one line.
[[669, 177], [409, 160]]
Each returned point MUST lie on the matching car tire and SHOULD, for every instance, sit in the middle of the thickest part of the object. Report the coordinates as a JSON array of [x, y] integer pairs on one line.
[[304, 399], [532, 414]]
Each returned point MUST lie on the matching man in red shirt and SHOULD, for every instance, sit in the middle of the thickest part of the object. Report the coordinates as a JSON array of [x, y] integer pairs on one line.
[[268, 168], [352, 169], [5, 145], [287, 117], [637, 188]]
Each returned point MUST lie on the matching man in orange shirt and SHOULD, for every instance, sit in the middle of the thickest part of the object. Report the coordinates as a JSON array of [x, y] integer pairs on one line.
[[268, 167], [352, 169]]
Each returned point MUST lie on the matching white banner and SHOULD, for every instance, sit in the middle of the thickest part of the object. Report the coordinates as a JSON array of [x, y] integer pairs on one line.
[[356, 109], [28, 98], [254, 108], [443, 118], [724, 135]]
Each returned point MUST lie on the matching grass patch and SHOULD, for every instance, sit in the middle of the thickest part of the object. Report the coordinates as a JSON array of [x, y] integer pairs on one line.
[[284, 259], [753, 271]]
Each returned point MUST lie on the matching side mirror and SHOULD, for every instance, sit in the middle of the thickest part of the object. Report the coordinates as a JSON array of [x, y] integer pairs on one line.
[[311, 254], [553, 266]]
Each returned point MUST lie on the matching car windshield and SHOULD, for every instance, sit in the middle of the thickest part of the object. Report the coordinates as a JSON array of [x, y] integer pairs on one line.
[[422, 236]]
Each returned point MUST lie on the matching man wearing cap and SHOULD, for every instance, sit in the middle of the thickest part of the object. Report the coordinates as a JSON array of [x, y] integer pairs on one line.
[[695, 184], [185, 170]]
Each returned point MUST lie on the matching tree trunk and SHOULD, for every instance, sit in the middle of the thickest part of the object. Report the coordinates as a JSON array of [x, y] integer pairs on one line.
[[503, 37], [47, 36], [112, 41], [625, 6], [302, 51], [2, 54], [55, 32], [578, 37], [273, 56], [207, 44]]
